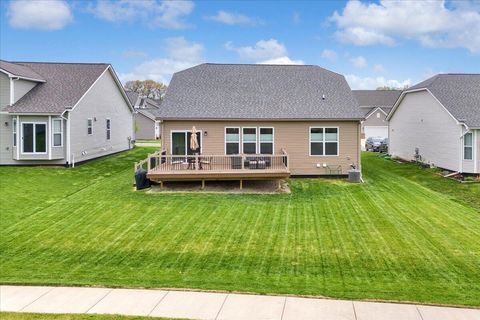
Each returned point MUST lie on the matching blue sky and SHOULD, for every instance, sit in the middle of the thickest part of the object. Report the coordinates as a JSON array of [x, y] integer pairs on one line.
[[372, 43]]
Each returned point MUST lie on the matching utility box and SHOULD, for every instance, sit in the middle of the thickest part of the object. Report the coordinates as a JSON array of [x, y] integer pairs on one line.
[[355, 176]]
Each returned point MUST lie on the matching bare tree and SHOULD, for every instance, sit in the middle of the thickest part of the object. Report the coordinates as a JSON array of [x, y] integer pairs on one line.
[[148, 88]]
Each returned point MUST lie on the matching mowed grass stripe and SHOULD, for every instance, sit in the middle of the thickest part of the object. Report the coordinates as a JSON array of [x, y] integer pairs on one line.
[[403, 235]]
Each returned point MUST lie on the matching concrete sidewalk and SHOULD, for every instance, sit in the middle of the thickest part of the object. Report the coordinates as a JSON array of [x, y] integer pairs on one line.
[[206, 305]]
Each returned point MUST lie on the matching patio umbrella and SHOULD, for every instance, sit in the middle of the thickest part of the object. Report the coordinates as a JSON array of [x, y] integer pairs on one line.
[[193, 139]]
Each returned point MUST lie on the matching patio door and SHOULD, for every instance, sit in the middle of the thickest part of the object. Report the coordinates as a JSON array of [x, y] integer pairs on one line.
[[181, 143]]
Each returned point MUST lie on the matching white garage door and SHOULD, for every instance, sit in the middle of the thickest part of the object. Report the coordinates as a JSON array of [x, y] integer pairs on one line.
[[376, 132]]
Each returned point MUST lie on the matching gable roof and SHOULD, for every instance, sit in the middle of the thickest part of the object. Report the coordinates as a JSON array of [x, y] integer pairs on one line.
[[132, 96], [369, 100], [147, 102], [20, 71], [244, 91], [458, 93], [65, 84]]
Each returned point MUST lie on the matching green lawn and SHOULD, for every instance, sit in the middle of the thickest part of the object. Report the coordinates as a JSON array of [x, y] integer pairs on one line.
[[405, 234]]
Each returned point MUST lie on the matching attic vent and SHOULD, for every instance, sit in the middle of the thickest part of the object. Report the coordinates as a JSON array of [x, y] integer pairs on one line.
[[323, 97]]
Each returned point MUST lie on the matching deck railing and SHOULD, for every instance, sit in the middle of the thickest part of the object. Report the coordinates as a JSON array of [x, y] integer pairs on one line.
[[161, 162]]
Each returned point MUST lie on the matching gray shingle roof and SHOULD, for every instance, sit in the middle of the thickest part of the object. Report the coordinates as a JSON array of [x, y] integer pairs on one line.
[[458, 93], [132, 96], [65, 85], [240, 91], [20, 71], [149, 113], [370, 99]]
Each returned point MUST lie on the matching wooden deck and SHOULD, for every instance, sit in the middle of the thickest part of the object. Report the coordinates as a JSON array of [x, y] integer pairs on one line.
[[162, 167], [167, 172]]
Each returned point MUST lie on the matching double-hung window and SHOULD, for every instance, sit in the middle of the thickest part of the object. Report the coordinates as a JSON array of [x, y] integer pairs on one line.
[[57, 132], [324, 141], [249, 139], [468, 146], [34, 137], [89, 126], [108, 126], [266, 140], [232, 140], [14, 130]]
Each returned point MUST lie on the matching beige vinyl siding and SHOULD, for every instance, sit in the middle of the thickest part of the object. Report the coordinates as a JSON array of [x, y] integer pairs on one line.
[[21, 88], [104, 100], [4, 90], [420, 121], [293, 136]]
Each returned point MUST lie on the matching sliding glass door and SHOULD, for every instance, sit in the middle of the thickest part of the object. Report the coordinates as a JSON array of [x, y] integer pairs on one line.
[[34, 137], [181, 143]]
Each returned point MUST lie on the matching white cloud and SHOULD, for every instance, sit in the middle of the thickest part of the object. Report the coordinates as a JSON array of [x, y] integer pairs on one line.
[[378, 68], [40, 14], [262, 50], [429, 22], [329, 54], [359, 62], [165, 14], [233, 18], [180, 55], [371, 83], [282, 60]]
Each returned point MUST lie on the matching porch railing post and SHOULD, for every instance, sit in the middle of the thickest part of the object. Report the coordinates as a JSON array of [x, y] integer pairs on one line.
[[149, 162]]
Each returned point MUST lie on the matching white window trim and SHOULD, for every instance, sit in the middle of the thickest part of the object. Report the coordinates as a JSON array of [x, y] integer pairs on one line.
[[260, 140], [34, 140], [470, 146], [225, 139], [90, 126], [256, 139], [310, 141], [14, 131], [186, 144], [108, 135], [54, 133]]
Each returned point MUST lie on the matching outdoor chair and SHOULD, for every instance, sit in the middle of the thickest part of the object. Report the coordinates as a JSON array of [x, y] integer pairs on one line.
[[206, 161], [236, 162]]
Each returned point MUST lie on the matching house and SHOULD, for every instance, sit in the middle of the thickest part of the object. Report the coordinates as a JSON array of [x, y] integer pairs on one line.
[[258, 121], [438, 121], [375, 106], [146, 126], [61, 113]]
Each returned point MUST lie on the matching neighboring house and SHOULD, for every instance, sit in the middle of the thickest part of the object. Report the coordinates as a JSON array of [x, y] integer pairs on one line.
[[439, 117], [375, 106], [250, 116], [146, 125], [61, 113]]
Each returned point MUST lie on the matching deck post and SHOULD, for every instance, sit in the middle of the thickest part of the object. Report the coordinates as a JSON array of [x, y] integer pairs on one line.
[[161, 184], [203, 184], [279, 184], [241, 184], [243, 163]]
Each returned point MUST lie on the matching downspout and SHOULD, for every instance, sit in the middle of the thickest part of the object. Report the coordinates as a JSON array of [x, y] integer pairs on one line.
[[467, 130], [68, 144]]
